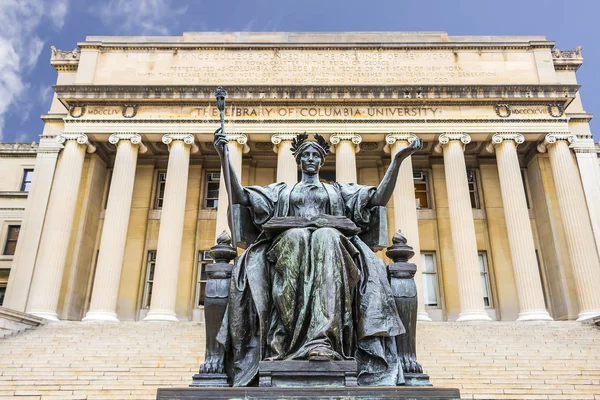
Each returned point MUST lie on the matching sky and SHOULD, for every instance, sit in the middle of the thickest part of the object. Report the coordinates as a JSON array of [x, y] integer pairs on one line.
[[29, 27]]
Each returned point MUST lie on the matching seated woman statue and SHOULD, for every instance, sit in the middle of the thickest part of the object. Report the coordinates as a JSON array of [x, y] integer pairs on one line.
[[309, 288]]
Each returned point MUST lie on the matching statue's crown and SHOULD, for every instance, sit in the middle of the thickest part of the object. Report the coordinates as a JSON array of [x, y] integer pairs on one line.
[[298, 143]]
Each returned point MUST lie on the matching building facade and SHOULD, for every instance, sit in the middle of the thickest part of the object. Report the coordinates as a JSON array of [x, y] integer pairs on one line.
[[116, 208]]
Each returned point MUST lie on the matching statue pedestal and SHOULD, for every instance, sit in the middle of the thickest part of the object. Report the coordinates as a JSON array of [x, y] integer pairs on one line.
[[311, 393], [307, 373]]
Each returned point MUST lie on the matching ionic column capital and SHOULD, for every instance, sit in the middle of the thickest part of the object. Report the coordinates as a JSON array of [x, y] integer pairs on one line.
[[393, 137], [355, 138], [187, 138], [553, 137], [134, 138], [499, 137], [277, 138], [447, 137], [81, 138], [241, 139]]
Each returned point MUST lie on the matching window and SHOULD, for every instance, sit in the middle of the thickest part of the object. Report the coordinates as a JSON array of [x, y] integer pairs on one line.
[[159, 195], [203, 259], [421, 180], [11, 240], [473, 189], [430, 281], [26, 182], [525, 189], [150, 267], [211, 190], [2, 292], [485, 279]]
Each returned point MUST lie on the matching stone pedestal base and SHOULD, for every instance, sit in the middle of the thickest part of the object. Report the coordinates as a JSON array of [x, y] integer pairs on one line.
[[209, 380], [310, 393], [307, 373]]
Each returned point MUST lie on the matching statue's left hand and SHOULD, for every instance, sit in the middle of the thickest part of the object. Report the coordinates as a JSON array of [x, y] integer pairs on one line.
[[413, 147]]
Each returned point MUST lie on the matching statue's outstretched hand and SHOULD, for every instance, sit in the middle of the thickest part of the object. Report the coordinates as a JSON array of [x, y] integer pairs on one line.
[[220, 141], [412, 148]]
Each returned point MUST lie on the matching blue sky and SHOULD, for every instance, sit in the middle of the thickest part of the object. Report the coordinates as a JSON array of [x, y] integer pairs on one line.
[[29, 27]]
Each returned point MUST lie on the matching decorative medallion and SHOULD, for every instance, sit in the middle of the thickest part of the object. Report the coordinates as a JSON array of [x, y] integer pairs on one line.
[[77, 110], [502, 110], [129, 110]]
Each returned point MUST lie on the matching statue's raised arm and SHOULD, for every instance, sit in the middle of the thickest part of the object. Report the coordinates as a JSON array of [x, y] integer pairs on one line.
[[384, 191], [237, 192]]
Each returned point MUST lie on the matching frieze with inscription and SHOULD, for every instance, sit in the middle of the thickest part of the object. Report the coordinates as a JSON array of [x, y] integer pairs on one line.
[[315, 67], [325, 112]]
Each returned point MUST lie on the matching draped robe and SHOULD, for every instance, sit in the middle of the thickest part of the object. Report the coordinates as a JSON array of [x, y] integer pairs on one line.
[[310, 289]]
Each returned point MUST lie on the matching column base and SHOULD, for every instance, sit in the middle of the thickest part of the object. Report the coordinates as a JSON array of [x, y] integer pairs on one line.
[[161, 316], [51, 316], [423, 316], [473, 316], [541, 315], [100, 316], [584, 316]]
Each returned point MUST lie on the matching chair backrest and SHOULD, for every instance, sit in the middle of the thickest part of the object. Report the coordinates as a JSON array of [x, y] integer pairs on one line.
[[376, 237]]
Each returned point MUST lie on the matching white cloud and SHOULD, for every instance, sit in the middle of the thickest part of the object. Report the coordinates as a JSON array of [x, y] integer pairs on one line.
[[140, 17], [20, 46]]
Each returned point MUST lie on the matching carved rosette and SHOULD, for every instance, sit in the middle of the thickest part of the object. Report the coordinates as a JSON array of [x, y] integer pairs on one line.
[[241, 139], [392, 138], [446, 137], [134, 138], [81, 138], [277, 138], [355, 138], [187, 138], [554, 137], [499, 137]]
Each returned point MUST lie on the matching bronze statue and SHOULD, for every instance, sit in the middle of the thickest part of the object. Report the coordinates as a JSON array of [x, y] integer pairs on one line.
[[309, 287]]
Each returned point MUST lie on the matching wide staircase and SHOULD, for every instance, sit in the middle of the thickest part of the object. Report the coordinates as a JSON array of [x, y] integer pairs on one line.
[[129, 360]]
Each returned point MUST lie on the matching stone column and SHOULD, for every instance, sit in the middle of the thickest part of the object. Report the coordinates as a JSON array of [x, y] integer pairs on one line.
[[287, 169], [170, 234], [405, 210], [238, 145], [54, 242], [103, 304], [346, 145], [21, 271], [518, 226], [586, 154], [463, 229], [581, 245]]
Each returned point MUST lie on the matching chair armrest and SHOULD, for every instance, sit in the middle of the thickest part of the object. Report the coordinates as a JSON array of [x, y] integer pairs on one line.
[[244, 230], [376, 237]]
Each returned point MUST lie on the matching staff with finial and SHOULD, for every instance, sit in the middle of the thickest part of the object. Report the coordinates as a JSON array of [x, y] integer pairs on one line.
[[220, 94]]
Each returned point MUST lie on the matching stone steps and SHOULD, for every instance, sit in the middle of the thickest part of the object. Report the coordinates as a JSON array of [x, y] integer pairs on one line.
[[130, 360]]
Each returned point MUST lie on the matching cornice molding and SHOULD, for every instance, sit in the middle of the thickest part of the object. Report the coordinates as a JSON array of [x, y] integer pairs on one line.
[[186, 138], [134, 138], [76, 94], [553, 137], [80, 138], [447, 137]]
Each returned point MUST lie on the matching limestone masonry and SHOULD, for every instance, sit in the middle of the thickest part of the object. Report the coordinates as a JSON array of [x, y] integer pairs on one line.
[[110, 216]]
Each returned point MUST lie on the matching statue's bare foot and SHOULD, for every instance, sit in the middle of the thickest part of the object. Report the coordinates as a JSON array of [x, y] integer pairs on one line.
[[321, 355]]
